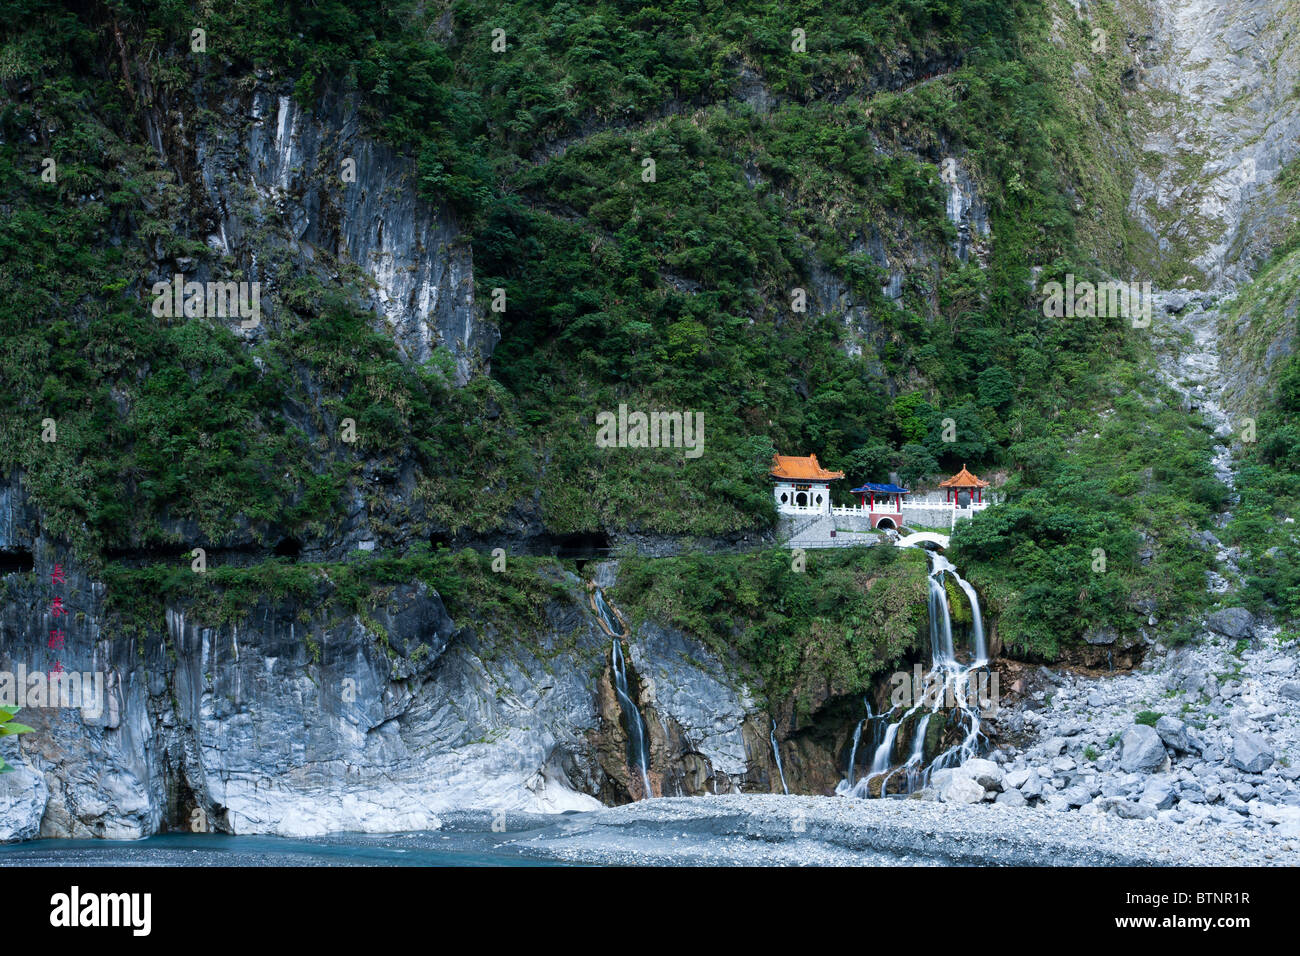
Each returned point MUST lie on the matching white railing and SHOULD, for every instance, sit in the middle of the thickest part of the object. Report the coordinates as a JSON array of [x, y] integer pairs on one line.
[[857, 510], [852, 510], [802, 509]]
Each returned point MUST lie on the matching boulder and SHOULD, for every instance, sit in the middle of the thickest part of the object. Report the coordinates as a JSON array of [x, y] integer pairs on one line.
[[984, 772], [1077, 795], [961, 789], [1033, 786], [1234, 622], [1016, 779], [1191, 793], [1173, 732], [1158, 793], [1207, 541], [1290, 690], [1126, 809], [1141, 750], [1011, 798], [1250, 753], [1192, 683]]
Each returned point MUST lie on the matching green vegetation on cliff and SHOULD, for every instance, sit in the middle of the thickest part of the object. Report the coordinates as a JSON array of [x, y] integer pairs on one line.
[[776, 169], [825, 631], [472, 593]]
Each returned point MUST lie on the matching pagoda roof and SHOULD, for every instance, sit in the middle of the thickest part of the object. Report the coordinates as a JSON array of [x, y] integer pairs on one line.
[[801, 469], [881, 488], [963, 479]]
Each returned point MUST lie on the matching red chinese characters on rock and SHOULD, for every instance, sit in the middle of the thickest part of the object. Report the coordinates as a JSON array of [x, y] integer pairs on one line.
[[57, 636]]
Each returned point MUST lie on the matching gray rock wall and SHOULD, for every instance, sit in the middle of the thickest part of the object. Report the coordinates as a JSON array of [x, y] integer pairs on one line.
[[302, 718], [276, 173], [1222, 84]]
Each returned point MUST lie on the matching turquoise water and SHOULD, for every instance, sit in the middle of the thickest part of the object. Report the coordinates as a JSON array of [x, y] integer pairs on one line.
[[430, 848]]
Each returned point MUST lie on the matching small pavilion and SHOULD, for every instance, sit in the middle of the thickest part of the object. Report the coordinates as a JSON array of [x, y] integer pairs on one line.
[[802, 485], [888, 512], [964, 481]]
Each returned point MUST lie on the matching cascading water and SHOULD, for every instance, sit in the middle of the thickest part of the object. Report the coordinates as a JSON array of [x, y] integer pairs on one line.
[[880, 762], [637, 732], [853, 754], [947, 686], [876, 726], [776, 751]]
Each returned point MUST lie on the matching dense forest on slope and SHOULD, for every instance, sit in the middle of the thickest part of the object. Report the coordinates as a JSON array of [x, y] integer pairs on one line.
[[775, 168]]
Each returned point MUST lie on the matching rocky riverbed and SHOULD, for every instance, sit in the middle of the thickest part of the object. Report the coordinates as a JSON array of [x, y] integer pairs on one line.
[[1215, 746], [732, 830], [769, 829], [1201, 734]]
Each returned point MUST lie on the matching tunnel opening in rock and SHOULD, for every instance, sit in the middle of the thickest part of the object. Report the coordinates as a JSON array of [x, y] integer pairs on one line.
[[581, 547], [290, 548], [16, 561]]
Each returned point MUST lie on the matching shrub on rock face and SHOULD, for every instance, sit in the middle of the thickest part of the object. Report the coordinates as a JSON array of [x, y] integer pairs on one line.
[[10, 727], [1141, 750]]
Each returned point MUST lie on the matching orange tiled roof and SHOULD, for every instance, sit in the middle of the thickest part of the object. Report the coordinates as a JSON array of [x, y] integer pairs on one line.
[[795, 467], [963, 479]]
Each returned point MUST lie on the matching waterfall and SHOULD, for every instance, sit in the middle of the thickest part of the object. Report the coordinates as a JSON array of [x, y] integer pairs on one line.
[[941, 651], [637, 732], [947, 686], [776, 752], [915, 772], [880, 762], [853, 754], [873, 723]]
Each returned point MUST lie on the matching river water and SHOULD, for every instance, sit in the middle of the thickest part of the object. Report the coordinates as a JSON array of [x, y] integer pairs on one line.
[[698, 837]]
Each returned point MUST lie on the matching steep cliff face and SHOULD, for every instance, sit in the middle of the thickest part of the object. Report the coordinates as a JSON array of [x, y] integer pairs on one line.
[[1221, 122], [301, 717], [319, 191]]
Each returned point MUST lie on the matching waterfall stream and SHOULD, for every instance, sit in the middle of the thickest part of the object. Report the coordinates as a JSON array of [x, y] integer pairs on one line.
[[853, 754], [776, 751], [948, 686], [637, 733]]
